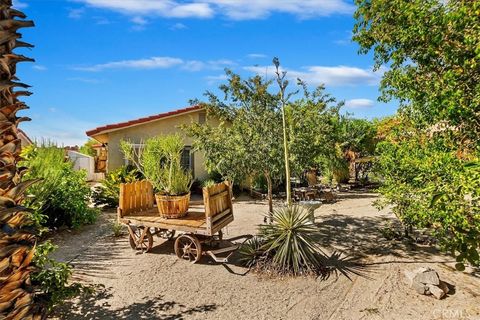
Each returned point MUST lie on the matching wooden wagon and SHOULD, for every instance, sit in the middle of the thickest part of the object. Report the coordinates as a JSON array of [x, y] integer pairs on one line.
[[202, 225]]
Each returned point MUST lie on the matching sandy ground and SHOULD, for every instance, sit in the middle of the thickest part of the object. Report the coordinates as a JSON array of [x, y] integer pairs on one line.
[[157, 285]]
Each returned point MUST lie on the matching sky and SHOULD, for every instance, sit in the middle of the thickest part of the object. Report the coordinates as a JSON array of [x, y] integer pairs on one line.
[[105, 61]]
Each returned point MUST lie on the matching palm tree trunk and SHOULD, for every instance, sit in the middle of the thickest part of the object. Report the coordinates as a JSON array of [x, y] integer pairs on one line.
[[16, 241]]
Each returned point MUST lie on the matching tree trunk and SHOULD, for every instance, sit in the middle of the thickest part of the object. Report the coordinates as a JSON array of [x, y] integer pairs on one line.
[[17, 300], [269, 194]]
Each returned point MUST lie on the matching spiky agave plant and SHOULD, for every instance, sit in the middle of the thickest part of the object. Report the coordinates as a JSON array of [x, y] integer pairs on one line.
[[290, 242], [16, 240]]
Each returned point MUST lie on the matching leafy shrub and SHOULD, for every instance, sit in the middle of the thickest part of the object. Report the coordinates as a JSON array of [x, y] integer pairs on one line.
[[117, 229], [159, 160], [208, 183], [430, 186], [108, 192], [52, 277], [88, 149], [62, 197], [287, 245]]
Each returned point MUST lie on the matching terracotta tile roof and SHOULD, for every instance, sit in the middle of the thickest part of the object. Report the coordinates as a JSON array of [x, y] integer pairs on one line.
[[125, 124]]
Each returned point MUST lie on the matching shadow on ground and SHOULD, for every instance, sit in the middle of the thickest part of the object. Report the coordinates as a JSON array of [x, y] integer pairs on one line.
[[95, 306]]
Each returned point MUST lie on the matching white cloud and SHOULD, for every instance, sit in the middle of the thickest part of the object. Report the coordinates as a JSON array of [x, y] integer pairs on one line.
[[39, 67], [85, 80], [178, 26], [330, 76], [76, 13], [159, 63], [193, 65], [62, 129], [233, 9], [256, 55], [164, 8], [150, 63], [248, 9], [359, 103], [139, 20]]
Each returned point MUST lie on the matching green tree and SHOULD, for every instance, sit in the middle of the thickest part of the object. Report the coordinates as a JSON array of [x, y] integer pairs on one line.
[[88, 149], [430, 157], [313, 128], [248, 139]]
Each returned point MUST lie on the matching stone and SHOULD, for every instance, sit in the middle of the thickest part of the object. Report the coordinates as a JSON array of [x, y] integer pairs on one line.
[[436, 291], [427, 277], [419, 287], [421, 269], [409, 275]]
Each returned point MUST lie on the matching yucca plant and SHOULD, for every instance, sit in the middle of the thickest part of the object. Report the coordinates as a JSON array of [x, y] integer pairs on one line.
[[289, 241], [252, 252], [16, 240]]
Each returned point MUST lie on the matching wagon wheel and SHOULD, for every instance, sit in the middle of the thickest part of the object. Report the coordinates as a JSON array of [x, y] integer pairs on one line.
[[188, 247], [165, 233], [135, 234]]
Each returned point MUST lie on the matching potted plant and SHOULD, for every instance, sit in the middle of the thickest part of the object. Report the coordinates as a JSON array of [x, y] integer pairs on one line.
[[159, 159]]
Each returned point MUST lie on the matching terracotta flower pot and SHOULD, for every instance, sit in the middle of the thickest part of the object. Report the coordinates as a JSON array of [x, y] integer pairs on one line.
[[172, 207]]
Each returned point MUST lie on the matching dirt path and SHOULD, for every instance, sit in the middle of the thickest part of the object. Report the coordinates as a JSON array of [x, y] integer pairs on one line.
[[159, 286]]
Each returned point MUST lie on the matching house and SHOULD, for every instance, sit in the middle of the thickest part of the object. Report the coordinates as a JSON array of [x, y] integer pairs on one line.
[[138, 130], [24, 139]]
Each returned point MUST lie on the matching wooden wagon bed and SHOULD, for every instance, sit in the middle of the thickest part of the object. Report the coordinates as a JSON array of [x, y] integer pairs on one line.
[[137, 207], [137, 211], [194, 222]]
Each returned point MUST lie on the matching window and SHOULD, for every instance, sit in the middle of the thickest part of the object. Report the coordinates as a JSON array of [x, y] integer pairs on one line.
[[187, 159], [202, 117]]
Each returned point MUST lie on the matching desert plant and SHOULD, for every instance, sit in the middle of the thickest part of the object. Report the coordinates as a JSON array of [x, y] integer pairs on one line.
[[287, 245], [108, 192], [62, 198], [117, 229], [16, 240], [290, 239], [252, 251], [159, 161]]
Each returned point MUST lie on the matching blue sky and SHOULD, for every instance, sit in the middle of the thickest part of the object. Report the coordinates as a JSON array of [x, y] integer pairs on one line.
[[105, 61]]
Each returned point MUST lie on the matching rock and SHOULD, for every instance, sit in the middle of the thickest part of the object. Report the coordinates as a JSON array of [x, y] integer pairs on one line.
[[444, 286], [409, 275], [419, 287], [428, 276], [421, 270], [436, 291]]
